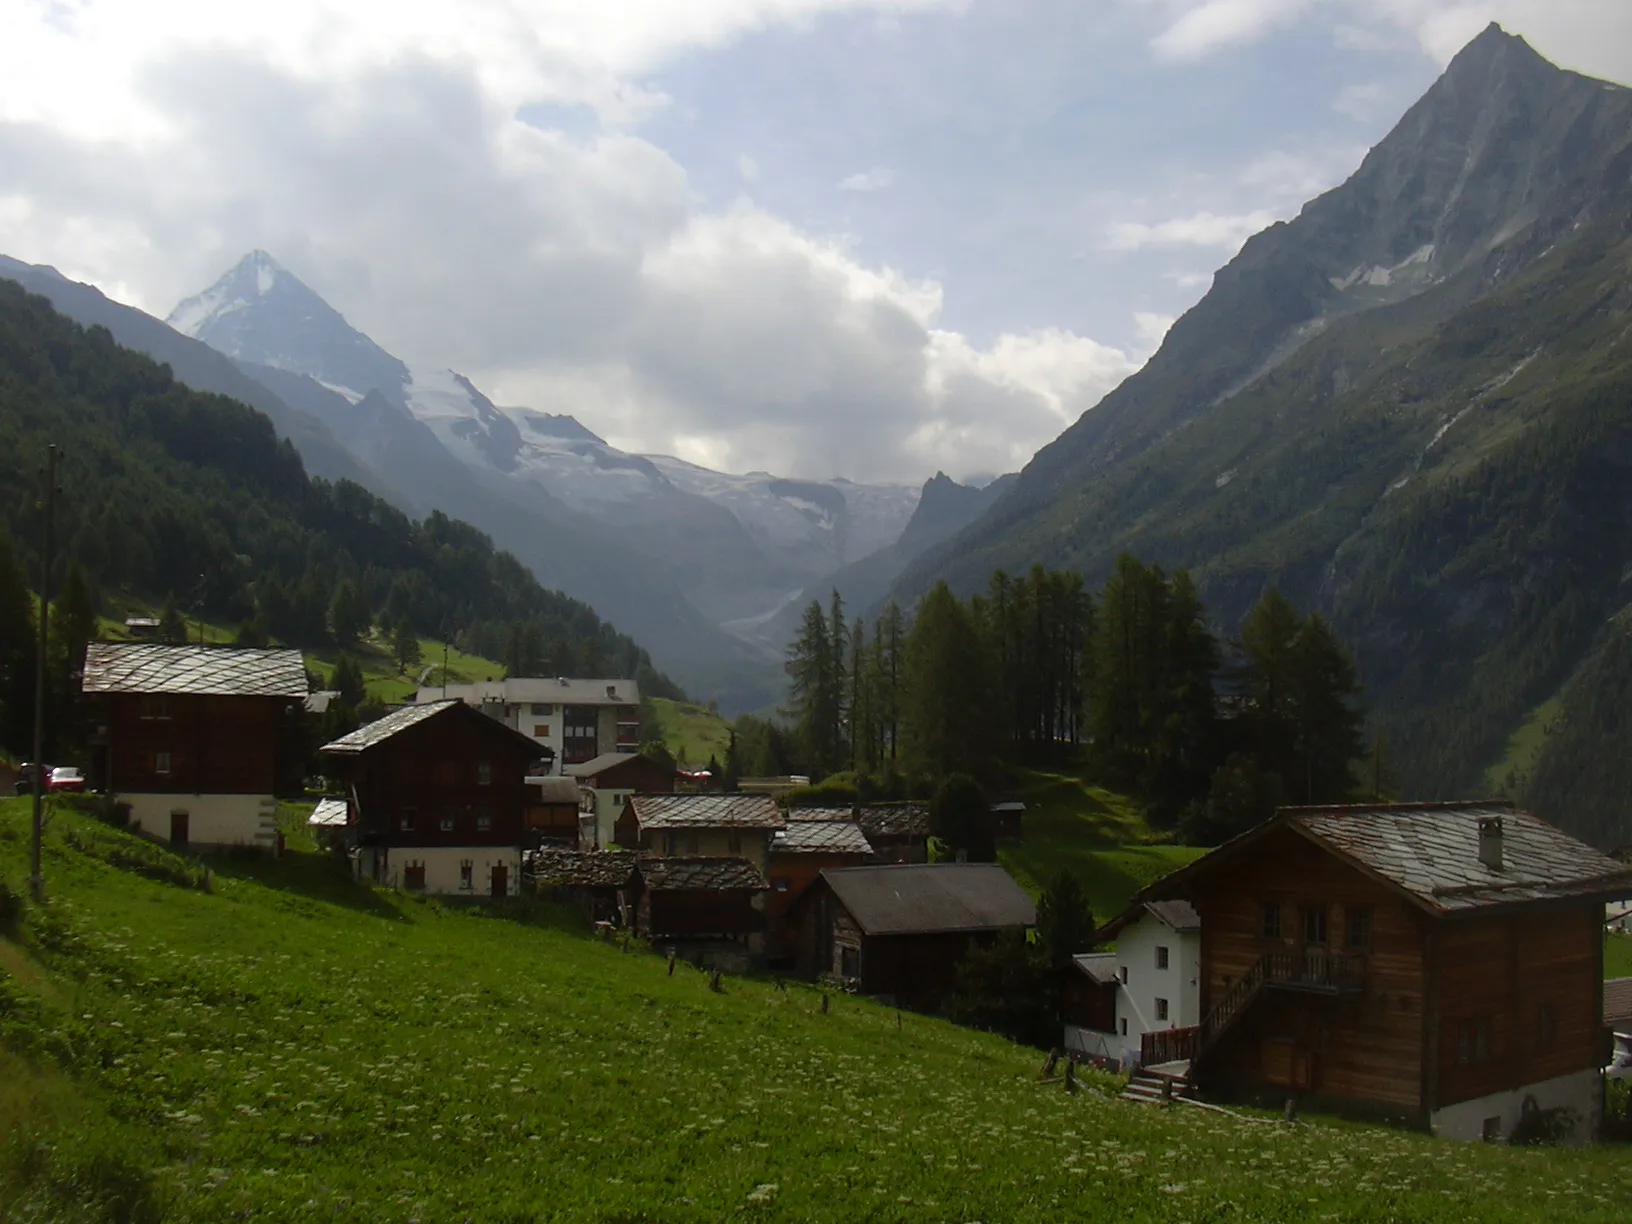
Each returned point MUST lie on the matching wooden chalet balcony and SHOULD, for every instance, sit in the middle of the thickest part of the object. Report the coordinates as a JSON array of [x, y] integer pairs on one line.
[[1312, 970], [1316, 970]]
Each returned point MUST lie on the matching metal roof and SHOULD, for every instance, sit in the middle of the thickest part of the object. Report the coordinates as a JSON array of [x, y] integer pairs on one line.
[[328, 814], [700, 874], [1618, 1000], [599, 764], [1430, 852], [1100, 966], [707, 812], [876, 819], [820, 837], [926, 898], [1178, 914], [526, 690], [213, 671], [581, 868]]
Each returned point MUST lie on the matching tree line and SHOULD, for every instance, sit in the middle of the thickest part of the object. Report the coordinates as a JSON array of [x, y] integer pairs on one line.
[[1131, 683]]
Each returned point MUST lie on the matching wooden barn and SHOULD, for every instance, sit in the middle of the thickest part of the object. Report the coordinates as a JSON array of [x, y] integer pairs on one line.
[[600, 885], [799, 855], [437, 798], [192, 733], [701, 899], [1441, 964], [552, 812], [1088, 989], [899, 931]]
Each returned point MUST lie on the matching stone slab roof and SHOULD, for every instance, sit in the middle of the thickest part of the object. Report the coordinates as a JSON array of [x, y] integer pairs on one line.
[[877, 820], [1180, 915], [701, 875], [820, 837], [931, 898], [212, 671], [328, 814], [581, 868], [555, 790], [525, 690], [707, 812], [382, 729], [1100, 966]]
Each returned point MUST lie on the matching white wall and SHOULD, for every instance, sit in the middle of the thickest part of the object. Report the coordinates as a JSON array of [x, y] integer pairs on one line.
[[1179, 983], [443, 874], [1581, 1091], [608, 807], [212, 820]]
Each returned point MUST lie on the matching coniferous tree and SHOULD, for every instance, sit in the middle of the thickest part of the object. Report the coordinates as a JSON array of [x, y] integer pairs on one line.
[[815, 692], [890, 643], [1330, 726], [172, 629], [404, 643], [348, 682], [960, 816], [16, 650], [1065, 922], [946, 701], [1267, 683], [348, 612]]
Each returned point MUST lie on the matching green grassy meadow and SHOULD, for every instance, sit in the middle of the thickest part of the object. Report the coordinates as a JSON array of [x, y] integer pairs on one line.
[[1097, 834], [693, 733], [290, 1046], [1617, 955]]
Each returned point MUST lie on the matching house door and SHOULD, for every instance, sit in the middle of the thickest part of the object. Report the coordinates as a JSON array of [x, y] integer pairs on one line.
[[178, 828], [413, 878], [501, 880]]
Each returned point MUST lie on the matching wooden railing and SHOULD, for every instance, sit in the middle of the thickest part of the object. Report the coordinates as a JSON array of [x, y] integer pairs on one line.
[[1315, 969], [1167, 1045]]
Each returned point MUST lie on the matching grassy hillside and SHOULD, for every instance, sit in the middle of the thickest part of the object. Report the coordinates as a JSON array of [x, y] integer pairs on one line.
[[1100, 836], [290, 1046], [693, 733]]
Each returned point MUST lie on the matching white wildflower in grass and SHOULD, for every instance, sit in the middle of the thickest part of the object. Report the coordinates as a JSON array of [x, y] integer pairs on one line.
[[762, 1193]]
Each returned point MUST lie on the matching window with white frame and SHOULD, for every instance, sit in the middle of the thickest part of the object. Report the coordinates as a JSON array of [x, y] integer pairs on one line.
[[466, 871], [1161, 956]]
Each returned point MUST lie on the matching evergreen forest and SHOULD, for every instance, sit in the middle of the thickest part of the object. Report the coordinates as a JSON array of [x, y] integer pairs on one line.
[[190, 500]]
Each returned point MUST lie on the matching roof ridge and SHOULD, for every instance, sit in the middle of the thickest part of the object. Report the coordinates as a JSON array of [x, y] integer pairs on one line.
[[1434, 805]]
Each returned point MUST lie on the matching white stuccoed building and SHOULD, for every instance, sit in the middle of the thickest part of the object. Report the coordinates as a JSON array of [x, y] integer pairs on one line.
[[1153, 977]]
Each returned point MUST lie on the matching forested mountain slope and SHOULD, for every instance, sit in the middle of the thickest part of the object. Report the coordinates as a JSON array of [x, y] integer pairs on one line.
[[1410, 408], [169, 491]]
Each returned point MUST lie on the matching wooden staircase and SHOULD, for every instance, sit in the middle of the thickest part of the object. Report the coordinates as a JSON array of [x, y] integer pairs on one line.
[[1158, 1084]]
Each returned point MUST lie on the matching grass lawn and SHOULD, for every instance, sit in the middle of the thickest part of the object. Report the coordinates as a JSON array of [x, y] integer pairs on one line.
[[1617, 955], [1099, 835], [289, 1045], [385, 681], [693, 733]]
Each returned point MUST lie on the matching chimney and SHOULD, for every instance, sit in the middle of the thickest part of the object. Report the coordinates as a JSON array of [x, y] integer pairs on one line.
[[1490, 842]]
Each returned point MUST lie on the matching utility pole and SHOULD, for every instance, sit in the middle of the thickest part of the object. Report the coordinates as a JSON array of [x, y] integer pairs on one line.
[[36, 879]]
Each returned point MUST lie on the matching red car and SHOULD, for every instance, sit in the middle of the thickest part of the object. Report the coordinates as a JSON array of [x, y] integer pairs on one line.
[[65, 778]]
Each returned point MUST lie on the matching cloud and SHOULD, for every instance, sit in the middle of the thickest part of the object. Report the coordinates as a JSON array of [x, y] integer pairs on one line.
[[1152, 329], [1202, 229], [867, 180], [1217, 24], [747, 168], [567, 267]]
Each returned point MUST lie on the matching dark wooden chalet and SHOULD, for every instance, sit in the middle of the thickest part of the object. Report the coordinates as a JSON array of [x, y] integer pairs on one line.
[[700, 899], [701, 826], [601, 885], [1438, 963], [1007, 818], [191, 736], [552, 812], [1088, 987], [799, 854], [899, 931], [437, 797]]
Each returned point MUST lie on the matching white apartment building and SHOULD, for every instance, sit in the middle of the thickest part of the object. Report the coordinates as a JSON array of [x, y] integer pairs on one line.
[[571, 720]]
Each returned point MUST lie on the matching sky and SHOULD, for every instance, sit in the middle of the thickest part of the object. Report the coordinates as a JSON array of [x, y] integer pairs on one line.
[[860, 238]]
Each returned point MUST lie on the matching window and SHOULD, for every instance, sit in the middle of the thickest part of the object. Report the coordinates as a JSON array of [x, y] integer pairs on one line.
[[543, 707], [1161, 1009], [1123, 1026], [1270, 919], [413, 877], [484, 822], [849, 962], [541, 730], [1357, 929], [1123, 974], [465, 873], [484, 773], [1546, 1027], [156, 705], [1491, 1130], [1161, 956], [1314, 924], [161, 762], [407, 820], [780, 883], [1473, 1041], [447, 824]]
